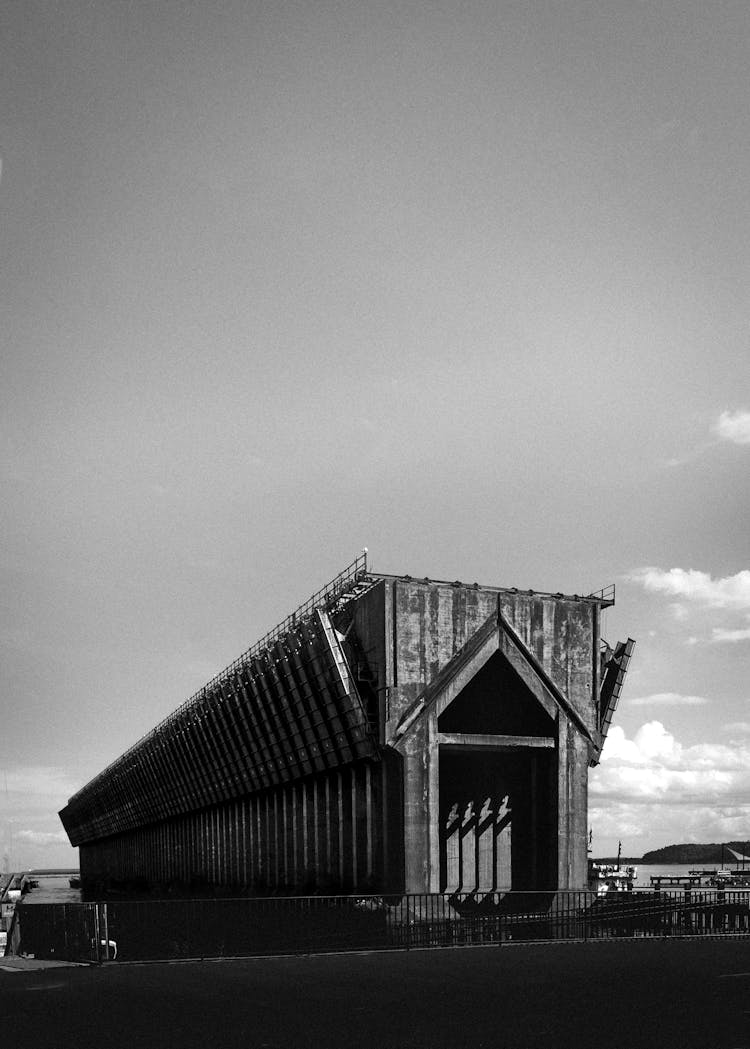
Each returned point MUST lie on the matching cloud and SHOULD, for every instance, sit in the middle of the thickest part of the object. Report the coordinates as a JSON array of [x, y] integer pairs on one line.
[[668, 699], [720, 635], [652, 790], [35, 786], [688, 457], [689, 584], [742, 727], [650, 825], [654, 765], [733, 427], [31, 834], [43, 838], [36, 840]]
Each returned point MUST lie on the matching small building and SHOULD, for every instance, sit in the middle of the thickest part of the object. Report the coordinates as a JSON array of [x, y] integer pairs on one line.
[[393, 734]]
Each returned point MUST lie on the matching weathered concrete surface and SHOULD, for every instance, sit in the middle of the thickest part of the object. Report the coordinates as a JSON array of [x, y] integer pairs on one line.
[[431, 624], [563, 635], [316, 767], [446, 639]]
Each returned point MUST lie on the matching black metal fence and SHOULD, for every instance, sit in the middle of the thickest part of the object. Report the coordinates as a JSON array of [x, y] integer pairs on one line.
[[137, 930]]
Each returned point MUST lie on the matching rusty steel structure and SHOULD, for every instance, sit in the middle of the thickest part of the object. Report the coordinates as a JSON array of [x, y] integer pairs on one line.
[[393, 734]]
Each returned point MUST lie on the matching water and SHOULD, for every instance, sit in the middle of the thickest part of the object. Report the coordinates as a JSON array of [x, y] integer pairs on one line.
[[53, 887], [646, 870]]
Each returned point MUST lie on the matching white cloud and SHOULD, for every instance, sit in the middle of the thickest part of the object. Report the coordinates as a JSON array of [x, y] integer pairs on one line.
[[654, 765], [733, 426], [33, 835], [35, 786], [652, 824], [44, 838], [689, 584], [721, 635], [668, 699], [742, 727]]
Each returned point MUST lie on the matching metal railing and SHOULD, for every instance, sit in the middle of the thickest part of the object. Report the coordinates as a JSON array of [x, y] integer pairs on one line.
[[325, 598], [138, 930], [606, 595]]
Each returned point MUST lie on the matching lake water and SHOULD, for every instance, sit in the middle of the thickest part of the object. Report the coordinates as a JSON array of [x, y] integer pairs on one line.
[[54, 887], [646, 870]]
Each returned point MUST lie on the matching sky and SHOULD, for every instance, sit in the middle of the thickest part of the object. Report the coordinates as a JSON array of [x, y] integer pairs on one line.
[[462, 282]]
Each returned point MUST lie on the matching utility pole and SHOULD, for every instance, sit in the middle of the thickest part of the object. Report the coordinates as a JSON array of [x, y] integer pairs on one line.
[[8, 850]]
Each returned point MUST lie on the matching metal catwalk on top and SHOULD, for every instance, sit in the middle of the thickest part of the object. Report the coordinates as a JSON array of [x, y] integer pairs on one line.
[[286, 710]]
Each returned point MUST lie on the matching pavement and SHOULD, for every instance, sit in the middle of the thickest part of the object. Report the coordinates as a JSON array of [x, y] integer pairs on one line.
[[14, 964], [637, 994]]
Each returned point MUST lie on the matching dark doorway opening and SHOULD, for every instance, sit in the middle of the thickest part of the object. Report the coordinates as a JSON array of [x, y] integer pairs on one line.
[[496, 825], [498, 806]]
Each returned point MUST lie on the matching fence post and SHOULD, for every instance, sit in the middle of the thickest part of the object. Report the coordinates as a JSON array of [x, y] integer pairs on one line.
[[106, 933], [94, 907], [586, 911]]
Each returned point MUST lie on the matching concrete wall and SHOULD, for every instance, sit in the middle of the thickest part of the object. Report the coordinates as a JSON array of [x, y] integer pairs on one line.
[[338, 832], [430, 624], [563, 634], [383, 819]]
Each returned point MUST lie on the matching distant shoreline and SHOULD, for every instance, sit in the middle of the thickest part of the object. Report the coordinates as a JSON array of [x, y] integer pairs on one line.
[[48, 871], [613, 859], [654, 863]]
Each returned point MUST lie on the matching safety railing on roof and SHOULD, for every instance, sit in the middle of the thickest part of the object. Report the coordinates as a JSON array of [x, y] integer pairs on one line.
[[606, 595], [325, 598]]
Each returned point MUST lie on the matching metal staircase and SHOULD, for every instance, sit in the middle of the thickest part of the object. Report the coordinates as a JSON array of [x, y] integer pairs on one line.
[[614, 668]]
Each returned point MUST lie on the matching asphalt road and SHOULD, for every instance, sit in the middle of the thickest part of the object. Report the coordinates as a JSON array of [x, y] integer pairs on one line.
[[611, 995]]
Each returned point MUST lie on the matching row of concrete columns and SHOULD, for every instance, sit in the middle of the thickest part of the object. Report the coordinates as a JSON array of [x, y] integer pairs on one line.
[[327, 832]]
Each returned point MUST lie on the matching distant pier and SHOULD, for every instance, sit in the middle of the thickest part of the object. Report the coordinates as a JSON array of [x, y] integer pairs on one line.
[[678, 881], [722, 879]]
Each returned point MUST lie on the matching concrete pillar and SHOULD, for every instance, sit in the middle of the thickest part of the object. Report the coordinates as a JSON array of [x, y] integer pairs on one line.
[[416, 811], [468, 848], [421, 772], [503, 846], [572, 806], [485, 846], [452, 850]]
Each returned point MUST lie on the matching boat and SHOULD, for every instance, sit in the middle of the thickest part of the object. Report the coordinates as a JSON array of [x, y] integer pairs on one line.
[[74, 882], [728, 879], [605, 878]]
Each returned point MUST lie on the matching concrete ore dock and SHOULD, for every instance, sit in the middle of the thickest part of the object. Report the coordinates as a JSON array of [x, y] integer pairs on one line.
[[392, 735]]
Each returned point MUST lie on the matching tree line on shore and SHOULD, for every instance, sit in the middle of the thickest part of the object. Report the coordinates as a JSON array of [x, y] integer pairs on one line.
[[692, 853]]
